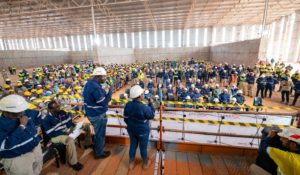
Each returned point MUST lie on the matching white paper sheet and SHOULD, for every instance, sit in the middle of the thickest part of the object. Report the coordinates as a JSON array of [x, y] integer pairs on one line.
[[77, 130]]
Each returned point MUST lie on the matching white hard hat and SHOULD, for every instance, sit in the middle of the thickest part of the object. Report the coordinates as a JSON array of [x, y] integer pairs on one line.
[[188, 97], [99, 71], [13, 103], [240, 92], [216, 100], [233, 99], [146, 91], [136, 91], [291, 134]]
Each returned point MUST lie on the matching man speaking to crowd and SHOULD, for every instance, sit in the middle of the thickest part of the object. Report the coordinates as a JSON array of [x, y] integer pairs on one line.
[[96, 99]]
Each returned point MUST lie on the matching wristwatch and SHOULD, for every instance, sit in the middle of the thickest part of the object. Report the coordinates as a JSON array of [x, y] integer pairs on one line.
[[23, 126]]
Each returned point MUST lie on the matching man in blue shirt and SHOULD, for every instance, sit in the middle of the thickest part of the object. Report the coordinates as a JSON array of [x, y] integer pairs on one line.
[[225, 97], [96, 100], [20, 145], [261, 85], [57, 126], [137, 116], [269, 86]]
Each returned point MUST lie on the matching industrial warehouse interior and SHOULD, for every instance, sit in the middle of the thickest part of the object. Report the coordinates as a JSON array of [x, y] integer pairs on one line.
[[160, 87]]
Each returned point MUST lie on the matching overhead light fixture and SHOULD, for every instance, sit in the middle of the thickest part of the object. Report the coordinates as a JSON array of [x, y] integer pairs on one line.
[[163, 38], [197, 38], [125, 40], [72, 43], [85, 42], [188, 38], [290, 34], [111, 40], [278, 54], [140, 40], [233, 34], [155, 39], [118, 40], [171, 39], [179, 38], [205, 37], [148, 39], [104, 39], [223, 34], [132, 40]]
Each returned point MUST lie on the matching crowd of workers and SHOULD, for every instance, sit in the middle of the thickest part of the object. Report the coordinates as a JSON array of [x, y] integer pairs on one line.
[[53, 90]]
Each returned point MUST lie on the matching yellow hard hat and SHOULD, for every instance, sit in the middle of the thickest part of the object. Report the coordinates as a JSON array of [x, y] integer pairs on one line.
[[69, 90], [7, 86], [33, 91], [19, 84], [48, 86], [65, 93], [60, 91], [27, 93], [40, 91]]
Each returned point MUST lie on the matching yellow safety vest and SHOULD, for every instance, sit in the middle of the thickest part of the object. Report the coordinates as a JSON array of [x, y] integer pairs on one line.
[[288, 162]]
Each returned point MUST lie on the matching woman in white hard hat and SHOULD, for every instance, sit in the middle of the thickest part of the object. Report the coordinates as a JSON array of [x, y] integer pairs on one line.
[[137, 116], [20, 144]]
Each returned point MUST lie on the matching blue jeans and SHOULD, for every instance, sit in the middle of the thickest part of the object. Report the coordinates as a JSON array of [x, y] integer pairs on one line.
[[142, 141], [99, 124]]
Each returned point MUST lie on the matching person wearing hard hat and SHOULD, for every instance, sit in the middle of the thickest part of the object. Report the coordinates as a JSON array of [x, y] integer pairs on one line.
[[287, 158], [96, 100], [297, 90], [20, 145], [137, 116], [261, 85], [285, 87]]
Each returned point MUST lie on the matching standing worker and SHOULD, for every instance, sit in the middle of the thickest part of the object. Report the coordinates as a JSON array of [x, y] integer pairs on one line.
[[96, 99], [20, 150], [137, 116]]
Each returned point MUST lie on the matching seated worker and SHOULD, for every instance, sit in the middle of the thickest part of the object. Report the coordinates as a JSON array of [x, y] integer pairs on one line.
[[188, 99], [150, 86], [196, 95], [233, 105], [170, 93], [189, 83], [225, 97], [168, 82], [287, 161], [192, 89], [141, 83], [57, 125], [183, 94], [215, 106], [20, 150], [148, 95], [240, 99], [205, 91], [198, 84], [216, 91]]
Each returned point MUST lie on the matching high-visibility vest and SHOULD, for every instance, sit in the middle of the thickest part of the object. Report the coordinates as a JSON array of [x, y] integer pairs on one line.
[[288, 162]]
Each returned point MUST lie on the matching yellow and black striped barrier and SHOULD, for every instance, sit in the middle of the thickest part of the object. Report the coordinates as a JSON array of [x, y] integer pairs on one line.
[[210, 122], [121, 101]]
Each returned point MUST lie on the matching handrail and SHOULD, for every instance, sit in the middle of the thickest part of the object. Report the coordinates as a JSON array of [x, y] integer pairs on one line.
[[194, 132], [229, 112], [218, 111]]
